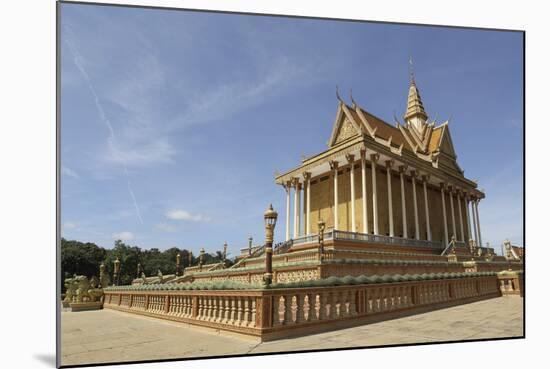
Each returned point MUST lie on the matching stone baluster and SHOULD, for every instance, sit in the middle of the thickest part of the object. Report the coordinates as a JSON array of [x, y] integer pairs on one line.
[[277, 308], [324, 313], [301, 312], [311, 297], [287, 316], [253, 313], [240, 311], [233, 315]]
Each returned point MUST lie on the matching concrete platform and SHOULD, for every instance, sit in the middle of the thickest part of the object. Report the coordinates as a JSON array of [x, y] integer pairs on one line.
[[111, 336]]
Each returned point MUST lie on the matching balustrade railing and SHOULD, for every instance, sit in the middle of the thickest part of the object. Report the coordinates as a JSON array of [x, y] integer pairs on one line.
[[269, 313], [511, 282]]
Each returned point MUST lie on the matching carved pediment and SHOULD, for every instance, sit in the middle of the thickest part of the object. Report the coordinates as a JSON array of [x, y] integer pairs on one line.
[[347, 130], [446, 143]]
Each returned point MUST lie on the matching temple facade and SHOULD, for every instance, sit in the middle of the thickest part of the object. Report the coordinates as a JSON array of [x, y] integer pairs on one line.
[[395, 184]]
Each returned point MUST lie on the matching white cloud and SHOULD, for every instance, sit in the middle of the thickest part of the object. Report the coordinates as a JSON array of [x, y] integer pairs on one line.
[[163, 227], [141, 155], [69, 172], [178, 214], [69, 225], [123, 236]]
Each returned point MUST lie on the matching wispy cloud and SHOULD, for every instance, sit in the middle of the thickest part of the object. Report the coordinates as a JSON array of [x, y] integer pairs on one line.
[[68, 226], [69, 172], [235, 96], [178, 214], [111, 139], [163, 227], [123, 236]]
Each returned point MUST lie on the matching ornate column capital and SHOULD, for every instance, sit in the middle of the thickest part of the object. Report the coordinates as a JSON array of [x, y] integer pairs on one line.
[[374, 157], [296, 182], [306, 175], [425, 178], [333, 165], [363, 154], [403, 169], [389, 163], [443, 186], [287, 185], [350, 158], [414, 174]]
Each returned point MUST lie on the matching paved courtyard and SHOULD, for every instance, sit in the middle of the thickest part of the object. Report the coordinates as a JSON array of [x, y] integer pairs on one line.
[[107, 335]]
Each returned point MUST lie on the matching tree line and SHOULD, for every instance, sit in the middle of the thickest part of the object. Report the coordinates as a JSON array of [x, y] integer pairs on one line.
[[85, 258]]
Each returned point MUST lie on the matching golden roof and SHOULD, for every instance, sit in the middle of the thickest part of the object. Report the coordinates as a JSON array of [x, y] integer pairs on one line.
[[414, 103]]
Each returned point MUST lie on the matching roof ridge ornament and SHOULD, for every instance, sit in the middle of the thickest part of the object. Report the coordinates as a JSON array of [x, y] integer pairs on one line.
[[353, 104], [338, 95], [411, 69]]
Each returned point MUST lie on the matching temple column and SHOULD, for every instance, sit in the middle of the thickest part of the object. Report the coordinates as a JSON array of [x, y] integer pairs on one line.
[[299, 188], [307, 184], [425, 180], [373, 159], [296, 206], [287, 187], [478, 223], [446, 231], [468, 227], [389, 165], [452, 211], [472, 200], [350, 159], [461, 223], [334, 167], [415, 203], [402, 170], [364, 192]]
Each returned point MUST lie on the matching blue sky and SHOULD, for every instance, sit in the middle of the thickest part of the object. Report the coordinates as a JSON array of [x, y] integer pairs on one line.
[[173, 123]]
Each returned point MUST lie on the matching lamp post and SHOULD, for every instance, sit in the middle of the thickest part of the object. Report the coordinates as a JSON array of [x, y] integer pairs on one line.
[[178, 264], [139, 270], [270, 219], [224, 252], [321, 227], [102, 275], [249, 245], [201, 258], [116, 271], [190, 258]]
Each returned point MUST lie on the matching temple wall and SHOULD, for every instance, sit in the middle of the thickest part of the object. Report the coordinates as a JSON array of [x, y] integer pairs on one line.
[[322, 198]]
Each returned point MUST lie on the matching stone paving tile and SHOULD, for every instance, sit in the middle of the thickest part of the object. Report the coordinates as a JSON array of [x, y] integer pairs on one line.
[[110, 336]]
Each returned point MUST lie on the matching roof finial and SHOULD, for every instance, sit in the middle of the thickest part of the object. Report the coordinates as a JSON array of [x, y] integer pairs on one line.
[[351, 96], [338, 94], [411, 69], [397, 124]]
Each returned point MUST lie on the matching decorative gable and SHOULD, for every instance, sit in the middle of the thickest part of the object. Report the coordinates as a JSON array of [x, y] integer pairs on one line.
[[344, 126], [346, 131], [446, 143]]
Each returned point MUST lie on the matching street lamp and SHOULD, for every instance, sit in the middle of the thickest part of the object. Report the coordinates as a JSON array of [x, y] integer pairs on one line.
[[116, 271], [178, 264], [270, 219], [201, 258], [321, 226]]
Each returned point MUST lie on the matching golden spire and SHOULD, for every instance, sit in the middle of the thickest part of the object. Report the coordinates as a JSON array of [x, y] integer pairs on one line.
[[415, 108]]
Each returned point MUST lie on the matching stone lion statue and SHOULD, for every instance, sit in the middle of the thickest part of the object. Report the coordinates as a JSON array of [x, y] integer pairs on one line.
[[83, 284], [70, 290], [96, 291]]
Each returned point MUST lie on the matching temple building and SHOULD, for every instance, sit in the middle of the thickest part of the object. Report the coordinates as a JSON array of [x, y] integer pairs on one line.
[[388, 184], [382, 223]]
